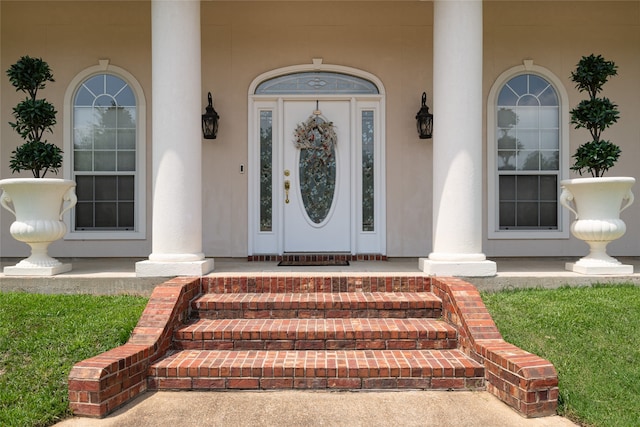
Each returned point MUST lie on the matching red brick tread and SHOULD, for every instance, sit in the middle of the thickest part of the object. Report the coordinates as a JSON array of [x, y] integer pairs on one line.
[[313, 283], [318, 305], [316, 334], [202, 369]]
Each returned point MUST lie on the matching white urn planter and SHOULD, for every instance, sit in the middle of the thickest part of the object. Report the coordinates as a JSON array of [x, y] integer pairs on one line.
[[596, 204], [38, 205]]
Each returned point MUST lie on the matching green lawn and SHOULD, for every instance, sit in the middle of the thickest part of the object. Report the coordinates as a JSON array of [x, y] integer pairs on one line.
[[42, 337], [591, 335]]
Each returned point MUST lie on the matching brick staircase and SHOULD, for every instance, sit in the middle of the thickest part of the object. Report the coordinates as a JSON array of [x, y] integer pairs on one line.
[[317, 340], [314, 332]]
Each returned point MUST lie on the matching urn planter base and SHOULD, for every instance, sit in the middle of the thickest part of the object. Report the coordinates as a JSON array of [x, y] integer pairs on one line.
[[38, 264], [594, 269], [598, 262], [38, 205], [20, 270], [597, 204]]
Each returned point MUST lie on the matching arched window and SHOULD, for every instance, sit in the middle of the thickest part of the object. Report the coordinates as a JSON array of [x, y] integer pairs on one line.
[[107, 157], [527, 156]]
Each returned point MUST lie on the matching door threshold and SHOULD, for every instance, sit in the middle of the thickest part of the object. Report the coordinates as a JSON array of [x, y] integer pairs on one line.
[[317, 257]]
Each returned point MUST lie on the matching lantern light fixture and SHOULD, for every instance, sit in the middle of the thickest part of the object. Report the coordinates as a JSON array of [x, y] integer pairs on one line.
[[210, 120], [424, 120]]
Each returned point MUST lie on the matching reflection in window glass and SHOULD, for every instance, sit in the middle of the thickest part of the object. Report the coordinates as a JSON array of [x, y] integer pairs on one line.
[[266, 172], [105, 202], [528, 153], [528, 202], [367, 171], [104, 153]]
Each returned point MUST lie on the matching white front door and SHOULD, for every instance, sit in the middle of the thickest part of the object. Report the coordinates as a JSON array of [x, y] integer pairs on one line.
[[316, 180]]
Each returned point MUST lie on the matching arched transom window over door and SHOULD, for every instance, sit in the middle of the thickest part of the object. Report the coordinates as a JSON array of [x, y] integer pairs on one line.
[[301, 196]]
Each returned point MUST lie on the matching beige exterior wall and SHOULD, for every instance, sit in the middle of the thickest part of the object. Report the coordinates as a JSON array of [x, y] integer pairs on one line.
[[555, 34], [392, 40], [72, 36]]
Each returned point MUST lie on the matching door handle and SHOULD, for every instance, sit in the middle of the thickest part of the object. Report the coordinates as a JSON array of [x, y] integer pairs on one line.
[[287, 187]]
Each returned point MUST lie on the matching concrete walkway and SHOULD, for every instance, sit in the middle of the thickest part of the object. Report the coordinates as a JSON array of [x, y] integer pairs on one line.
[[117, 275], [317, 408]]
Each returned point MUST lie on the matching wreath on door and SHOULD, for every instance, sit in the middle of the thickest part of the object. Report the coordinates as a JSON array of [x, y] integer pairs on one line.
[[315, 134], [316, 139]]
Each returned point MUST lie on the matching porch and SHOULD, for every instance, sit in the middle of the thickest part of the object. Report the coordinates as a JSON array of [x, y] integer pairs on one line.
[[117, 275]]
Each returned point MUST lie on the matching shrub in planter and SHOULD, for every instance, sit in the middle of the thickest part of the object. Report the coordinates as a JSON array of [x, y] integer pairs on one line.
[[596, 202], [33, 117], [595, 114], [38, 203]]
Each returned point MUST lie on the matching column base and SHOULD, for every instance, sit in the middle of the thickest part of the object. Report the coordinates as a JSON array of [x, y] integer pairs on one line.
[[577, 267], [458, 268], [16, 270], [170, 269]]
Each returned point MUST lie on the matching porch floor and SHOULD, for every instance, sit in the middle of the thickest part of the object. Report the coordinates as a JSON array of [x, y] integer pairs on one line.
[[117, 275]]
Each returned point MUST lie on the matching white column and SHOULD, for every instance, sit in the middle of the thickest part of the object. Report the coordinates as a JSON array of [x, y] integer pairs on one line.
[[177, 142], [457, 142]]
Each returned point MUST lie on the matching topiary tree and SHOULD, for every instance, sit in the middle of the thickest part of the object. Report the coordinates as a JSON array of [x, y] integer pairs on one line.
[[33, 117], [595, 114]]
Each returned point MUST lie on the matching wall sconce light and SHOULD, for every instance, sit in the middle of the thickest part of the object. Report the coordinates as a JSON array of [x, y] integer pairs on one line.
[[210, 121], [424, 119]]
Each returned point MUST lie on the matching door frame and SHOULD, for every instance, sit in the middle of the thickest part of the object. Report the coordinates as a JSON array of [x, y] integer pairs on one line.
[[272, 242]]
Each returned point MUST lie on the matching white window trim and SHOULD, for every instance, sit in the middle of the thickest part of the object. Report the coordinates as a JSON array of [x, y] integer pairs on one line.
[[494, 231], [140, 191]]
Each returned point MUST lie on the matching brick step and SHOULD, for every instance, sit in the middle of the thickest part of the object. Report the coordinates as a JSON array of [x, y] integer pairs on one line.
[[315, 282], [317, 305], [341, 369], [315, 334]]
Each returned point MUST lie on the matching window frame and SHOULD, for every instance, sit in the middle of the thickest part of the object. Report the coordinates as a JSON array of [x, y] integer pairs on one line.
[[140, 204], [493, 226]]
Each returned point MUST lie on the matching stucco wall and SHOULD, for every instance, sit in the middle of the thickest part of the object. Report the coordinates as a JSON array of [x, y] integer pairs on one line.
[[392, 40], [555, 35], [71, 36]]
